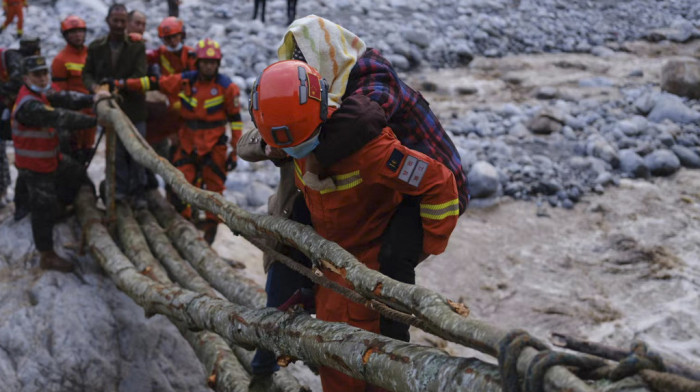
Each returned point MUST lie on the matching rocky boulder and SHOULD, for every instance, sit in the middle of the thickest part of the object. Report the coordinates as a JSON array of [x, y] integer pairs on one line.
[[681, 77]]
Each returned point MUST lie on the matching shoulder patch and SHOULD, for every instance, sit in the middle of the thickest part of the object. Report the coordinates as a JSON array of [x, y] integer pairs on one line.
[[394, 160], [413, 170]]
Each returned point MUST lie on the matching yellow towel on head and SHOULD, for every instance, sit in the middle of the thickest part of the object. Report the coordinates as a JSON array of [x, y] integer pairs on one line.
[[326, 46]]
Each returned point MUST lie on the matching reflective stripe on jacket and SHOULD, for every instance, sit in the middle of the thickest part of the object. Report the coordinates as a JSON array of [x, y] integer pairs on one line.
[[36, 149]]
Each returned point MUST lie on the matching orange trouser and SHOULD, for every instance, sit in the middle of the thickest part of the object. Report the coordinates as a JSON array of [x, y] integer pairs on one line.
[[331, 306], [12, 10], [213, 171]]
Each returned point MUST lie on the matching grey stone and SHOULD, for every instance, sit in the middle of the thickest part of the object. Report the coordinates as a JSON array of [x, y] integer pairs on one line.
[[662, 162], [546, 122], [597, 81], [632, 164], [483, 180], [681, 77], [399, 62], [257, 193], [632, 126], [645, 103], [419, 38], [670, 107], [466, 90], [546, 93], [637, 73], [687, 156], [600, 148]]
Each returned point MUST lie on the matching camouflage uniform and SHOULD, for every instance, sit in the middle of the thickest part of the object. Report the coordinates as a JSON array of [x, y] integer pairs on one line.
[[47, 192]]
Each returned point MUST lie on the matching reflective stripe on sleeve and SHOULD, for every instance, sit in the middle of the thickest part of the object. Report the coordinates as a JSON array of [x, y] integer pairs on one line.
[[440, 211]]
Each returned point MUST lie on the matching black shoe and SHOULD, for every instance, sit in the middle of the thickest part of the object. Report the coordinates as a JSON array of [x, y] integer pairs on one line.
[[261, 383]]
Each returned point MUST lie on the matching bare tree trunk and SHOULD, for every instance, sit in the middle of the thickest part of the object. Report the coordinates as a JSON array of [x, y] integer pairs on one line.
[[189, 242], [179, 269], [384, 362], [226, 373], [187, 277]]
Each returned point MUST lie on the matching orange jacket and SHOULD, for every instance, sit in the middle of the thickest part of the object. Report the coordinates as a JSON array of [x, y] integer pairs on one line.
[[207, 106], [368, 188], [369, 185], [172, 63], [67, 69]]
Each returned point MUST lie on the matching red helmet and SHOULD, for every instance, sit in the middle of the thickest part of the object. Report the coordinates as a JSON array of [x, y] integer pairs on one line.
[[72, 22], [288, 103], [170, 26], [208, 49]]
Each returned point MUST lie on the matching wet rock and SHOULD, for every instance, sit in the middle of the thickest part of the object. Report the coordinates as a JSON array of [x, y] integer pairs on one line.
[[399, 62], [546, 93], [632, 164], [600, 148], [466, 90], [428, 85], [632, 126], [681, 77], [597, 81], [687, 156], [645, 103], [546, 122], [419, 38], [483, 180], [637, 73], [662, 162], [257, 194], [670, 107]]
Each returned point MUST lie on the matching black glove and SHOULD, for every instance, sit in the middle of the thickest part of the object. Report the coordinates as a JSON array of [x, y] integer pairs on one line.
[[231, 162]]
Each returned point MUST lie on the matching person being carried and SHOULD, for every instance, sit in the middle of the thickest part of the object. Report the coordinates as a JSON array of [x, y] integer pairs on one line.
[[67, 74], [361, 82], [51, 179], [209, 102], [352, 201]]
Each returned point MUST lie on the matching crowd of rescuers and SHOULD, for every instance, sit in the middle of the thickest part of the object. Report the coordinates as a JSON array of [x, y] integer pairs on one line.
[[362, 157]]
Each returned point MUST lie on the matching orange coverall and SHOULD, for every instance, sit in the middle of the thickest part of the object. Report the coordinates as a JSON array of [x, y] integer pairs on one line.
[[66, 73], [207, 106], [14, 8], [369, 185], [170, 63]]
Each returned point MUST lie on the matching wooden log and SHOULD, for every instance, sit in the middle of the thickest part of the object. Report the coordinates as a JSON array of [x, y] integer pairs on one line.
[[384, 362]]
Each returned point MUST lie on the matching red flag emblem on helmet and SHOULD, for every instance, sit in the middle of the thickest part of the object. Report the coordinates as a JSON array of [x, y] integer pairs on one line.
[[314, 87]]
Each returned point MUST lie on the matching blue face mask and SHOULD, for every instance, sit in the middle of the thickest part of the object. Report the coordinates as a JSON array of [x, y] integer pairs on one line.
[[40, 90], [174, 49], [303, 149]]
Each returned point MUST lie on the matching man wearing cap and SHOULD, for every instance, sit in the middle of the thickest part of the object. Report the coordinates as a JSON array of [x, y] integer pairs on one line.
[[51, 179], [10, 83]]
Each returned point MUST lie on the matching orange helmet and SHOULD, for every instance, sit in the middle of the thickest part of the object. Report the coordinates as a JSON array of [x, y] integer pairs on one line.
[[72, 22], [170, 26], [208, 49], [288, 103]]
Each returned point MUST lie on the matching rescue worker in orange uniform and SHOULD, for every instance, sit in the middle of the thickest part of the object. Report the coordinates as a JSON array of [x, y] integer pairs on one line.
[[173, 57], [209, 102], [67, 74], [14, 8], [351, 202]]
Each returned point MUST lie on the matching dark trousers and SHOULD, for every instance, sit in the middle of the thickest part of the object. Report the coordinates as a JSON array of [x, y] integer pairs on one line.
[[173, 8], [47, 194], [291, 11], [131, 177], [402, 246], [260, 3], [282, 283]]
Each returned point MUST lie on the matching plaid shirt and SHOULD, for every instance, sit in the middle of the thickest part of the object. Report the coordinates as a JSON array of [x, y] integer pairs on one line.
[[408, 114]]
